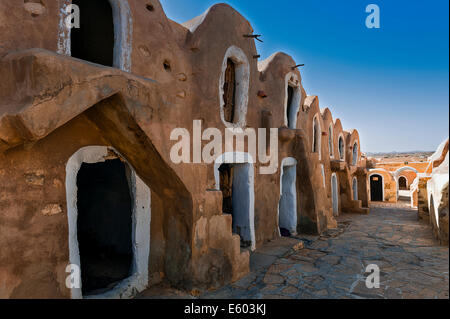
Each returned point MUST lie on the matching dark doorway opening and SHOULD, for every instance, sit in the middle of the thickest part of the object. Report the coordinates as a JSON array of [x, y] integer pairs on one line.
[[376, 188], [290, 93], [234, 185], [226, 186], [104, 225], [94, 40], [229, 92], [402, 183]]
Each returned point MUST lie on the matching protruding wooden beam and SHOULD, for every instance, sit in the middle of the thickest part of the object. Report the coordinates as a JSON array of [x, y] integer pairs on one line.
[[297, 66], [253, 36]]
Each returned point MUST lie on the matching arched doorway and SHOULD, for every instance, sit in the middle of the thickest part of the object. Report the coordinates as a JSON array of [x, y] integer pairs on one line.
[[402, 183], [108, 208], [233, 88], [355, 188], [287, 208], [335, 194], [234, 176], [376, 188]]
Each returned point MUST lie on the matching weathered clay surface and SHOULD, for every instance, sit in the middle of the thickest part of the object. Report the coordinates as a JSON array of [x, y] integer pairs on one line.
[[333, 266], [51, 105]]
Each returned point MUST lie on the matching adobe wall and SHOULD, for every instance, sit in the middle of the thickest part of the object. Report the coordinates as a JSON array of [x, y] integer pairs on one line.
[[52, 105], [389, 183], [422, 199]]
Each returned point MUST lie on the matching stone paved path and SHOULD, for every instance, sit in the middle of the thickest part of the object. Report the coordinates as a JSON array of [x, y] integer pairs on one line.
[[411, 262]]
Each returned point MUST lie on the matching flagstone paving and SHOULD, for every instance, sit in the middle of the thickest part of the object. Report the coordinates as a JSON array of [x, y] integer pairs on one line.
[[411, 262]]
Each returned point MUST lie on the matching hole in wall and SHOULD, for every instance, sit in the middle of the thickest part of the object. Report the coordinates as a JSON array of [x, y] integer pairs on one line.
[[150, 7], [144, 51], [166, 65]]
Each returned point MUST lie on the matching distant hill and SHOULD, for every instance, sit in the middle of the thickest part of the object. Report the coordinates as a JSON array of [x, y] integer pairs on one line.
[[394, 153], [413, 156]]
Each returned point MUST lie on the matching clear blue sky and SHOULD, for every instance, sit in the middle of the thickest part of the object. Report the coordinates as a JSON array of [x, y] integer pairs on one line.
[[389, 83]]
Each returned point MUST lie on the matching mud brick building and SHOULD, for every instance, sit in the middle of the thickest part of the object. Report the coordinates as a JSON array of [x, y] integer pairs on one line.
[[86, 176]]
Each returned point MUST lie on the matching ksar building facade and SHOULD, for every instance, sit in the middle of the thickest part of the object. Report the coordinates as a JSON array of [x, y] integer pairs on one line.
[[86, 178]]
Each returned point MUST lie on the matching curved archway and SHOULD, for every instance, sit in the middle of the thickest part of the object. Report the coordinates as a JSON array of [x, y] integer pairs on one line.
[[405, 168], [376, 182], [99, 236]]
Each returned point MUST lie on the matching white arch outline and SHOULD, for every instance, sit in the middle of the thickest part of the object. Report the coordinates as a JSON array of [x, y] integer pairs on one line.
[[242, 86], [138, 280], [405, 168], [123, 33]]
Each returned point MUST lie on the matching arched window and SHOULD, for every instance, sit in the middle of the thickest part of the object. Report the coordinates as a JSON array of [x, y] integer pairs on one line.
[[233, 88], [341, 148], [330, 140], [109, 213], [355, 154], [293, 99], [316, 145]]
